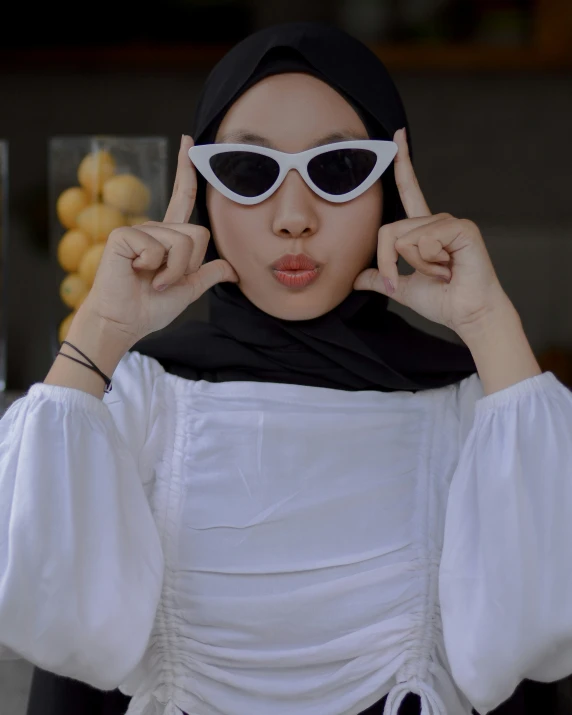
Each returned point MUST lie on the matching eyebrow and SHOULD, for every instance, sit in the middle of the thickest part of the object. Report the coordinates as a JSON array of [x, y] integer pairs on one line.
[[243, 136]]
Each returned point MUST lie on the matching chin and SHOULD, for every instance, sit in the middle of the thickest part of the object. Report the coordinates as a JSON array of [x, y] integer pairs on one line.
[[300, 306], [296, 315]]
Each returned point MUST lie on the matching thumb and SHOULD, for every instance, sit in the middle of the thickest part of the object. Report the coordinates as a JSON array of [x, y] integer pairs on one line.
[[211, 273], [370, 279]]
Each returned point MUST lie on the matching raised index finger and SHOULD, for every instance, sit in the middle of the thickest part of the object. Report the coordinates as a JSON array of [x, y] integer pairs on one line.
[[411, 195], [185, 188]]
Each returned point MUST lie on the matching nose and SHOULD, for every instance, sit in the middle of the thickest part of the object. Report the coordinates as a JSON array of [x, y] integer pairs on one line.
[[294, 204]]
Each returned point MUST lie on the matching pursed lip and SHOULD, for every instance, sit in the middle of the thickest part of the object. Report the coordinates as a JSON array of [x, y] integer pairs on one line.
[[295, 262]]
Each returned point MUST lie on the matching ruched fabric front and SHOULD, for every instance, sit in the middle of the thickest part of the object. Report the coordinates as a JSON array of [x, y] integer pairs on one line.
[[291, 580]]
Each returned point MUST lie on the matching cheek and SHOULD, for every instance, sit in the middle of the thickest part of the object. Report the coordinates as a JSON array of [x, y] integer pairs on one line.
[[222, 215], [358, 231], [216, 209], [234, 226]]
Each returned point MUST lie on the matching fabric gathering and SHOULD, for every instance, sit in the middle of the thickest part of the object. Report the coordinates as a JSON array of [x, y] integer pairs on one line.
[[295, 517]]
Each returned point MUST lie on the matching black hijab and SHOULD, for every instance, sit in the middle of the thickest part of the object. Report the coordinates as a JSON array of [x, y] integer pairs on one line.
[[359, 345]]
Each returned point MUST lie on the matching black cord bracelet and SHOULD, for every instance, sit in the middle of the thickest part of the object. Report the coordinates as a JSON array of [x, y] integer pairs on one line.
[[91, 366]]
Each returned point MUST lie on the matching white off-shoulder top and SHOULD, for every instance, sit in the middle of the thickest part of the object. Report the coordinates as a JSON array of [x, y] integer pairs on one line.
[[253, 548]]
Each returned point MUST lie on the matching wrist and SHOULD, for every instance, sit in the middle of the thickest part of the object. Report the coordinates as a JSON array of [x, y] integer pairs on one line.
[[501, 351], [493, 319], [100, 340]]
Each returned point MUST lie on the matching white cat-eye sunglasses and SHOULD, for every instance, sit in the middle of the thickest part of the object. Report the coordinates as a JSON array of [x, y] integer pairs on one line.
[[337, 172]]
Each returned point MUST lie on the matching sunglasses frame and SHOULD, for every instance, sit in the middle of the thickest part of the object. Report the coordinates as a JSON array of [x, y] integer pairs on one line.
[[384, 150]]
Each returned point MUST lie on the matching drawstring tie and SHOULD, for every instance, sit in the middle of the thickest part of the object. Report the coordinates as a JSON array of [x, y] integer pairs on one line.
[[431, 703]]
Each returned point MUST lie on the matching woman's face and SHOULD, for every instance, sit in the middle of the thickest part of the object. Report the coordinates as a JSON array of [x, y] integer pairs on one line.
[[293, 111]]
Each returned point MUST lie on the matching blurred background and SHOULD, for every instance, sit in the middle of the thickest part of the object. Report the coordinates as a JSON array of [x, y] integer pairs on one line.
[[486, 84]]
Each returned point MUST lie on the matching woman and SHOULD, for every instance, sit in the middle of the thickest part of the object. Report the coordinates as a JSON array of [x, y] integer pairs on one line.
[[305, 505]]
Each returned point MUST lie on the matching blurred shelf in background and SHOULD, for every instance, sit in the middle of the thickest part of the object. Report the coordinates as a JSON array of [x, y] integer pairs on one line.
[[415, 35], [414, 57], [472, 57]]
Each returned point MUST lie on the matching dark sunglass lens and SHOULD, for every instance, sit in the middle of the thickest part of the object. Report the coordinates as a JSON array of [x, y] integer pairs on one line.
[[341, 170], [244, 172]]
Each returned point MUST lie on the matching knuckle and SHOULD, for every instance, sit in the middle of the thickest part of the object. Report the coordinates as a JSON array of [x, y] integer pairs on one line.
[[180, 246], [468, 225], [182, 257], [409, 254], [180, 240], [201, 233], [156, 249], [116, 234], [429, 246], [385, 232]]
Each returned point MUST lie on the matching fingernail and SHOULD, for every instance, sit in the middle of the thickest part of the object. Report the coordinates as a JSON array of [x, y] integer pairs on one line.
[[388, 286], [161, 287]]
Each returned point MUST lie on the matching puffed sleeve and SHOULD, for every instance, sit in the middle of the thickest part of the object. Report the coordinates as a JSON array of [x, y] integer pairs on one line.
[[505, 581], [81, 563]]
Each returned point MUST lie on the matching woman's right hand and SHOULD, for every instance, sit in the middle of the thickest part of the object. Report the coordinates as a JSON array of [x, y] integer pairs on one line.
[[137, 260]]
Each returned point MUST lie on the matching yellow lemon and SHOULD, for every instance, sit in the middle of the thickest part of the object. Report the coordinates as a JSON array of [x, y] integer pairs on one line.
[[90, 263], [65, 326], [99, 220], [127, 193], [95, 169], [72, 246], [137, 220], [70, 203], [73, 290]]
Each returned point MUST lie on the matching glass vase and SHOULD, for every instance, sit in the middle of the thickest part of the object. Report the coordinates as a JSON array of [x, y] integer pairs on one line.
[[97, 184]]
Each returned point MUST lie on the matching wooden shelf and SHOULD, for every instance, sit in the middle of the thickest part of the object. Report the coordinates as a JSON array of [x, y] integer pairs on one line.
[[146, 58], [471, 58]]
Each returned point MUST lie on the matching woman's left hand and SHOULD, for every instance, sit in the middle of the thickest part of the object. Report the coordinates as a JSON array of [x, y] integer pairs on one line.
[[439, 245]]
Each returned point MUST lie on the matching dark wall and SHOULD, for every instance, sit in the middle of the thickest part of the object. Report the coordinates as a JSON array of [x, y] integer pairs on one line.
[[493, 148]]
